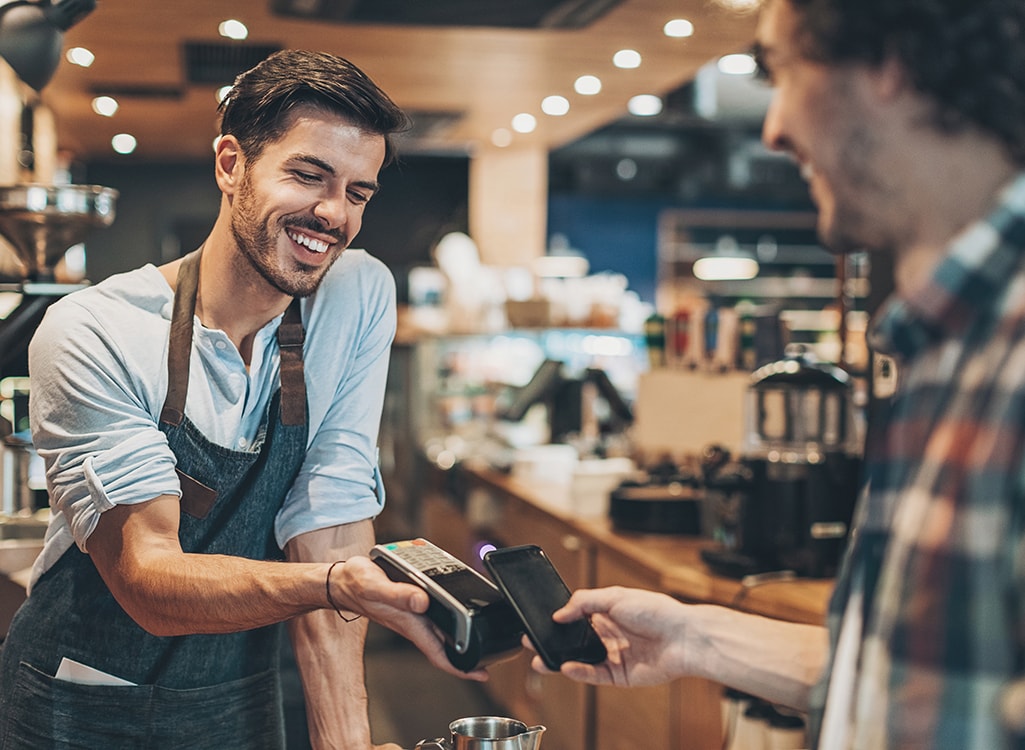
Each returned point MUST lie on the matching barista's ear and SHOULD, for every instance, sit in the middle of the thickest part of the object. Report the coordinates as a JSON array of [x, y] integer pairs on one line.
[[228, 164]]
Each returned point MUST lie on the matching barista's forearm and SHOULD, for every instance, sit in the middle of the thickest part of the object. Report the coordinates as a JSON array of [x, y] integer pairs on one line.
[[772, 659], [329, 650], [168, 592], [180, 594], [329, 654]]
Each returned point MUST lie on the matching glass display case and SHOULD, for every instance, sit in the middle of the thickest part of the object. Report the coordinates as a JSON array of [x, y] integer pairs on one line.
[[446, 396]]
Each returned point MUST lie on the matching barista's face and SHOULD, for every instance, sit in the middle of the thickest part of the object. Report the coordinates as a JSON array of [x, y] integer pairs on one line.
[[820, 114], [301, 202]]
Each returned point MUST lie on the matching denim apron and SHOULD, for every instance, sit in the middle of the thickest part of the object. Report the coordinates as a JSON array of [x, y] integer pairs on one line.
[[200, 692]]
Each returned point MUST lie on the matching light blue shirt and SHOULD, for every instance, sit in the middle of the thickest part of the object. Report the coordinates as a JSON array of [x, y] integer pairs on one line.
[[98, 365]]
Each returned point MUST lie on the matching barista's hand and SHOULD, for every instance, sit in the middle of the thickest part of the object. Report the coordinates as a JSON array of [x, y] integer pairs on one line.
[[388, 746], [359, 585], [643, 632]]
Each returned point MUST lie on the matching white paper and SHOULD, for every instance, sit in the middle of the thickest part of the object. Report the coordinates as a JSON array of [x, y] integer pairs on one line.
[[70, 670]]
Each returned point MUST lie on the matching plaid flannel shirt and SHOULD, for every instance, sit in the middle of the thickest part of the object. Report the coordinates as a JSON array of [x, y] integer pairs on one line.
[[937, 555]]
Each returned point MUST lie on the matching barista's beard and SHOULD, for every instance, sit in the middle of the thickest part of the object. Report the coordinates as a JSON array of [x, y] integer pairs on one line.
[[258, 247]]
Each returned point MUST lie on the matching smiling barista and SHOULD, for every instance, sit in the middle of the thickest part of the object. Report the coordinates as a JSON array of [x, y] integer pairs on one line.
[[192, 430]]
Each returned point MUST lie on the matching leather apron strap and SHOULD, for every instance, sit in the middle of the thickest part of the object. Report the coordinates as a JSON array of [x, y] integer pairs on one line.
[[291, 336], [179, 349]]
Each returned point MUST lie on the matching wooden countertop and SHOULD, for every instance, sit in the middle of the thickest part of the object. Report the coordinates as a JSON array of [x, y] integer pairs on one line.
[[673, 560]]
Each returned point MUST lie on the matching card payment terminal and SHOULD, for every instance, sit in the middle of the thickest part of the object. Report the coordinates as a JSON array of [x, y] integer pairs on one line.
[[479, 625]]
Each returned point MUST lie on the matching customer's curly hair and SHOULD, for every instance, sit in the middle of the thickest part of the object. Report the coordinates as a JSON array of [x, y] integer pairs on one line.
[[967, 55]]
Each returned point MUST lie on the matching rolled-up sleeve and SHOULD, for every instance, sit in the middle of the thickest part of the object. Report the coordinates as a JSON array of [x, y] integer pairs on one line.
[[350, 329], [92, 420]]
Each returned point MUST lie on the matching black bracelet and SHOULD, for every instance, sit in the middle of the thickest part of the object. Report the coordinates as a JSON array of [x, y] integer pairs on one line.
[[330, 599]]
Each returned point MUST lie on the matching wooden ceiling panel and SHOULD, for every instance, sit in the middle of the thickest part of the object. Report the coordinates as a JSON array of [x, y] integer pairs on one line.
[[488, 74]]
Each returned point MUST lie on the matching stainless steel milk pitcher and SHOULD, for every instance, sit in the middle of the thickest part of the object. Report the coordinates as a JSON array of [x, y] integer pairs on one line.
[[487, 733]]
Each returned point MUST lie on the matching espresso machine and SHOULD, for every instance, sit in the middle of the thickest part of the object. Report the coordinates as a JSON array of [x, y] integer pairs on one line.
[[39, 223], [787, 502]]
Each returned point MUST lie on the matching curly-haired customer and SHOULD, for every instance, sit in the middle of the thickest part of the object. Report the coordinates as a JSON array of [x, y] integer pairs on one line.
[[907, 118]]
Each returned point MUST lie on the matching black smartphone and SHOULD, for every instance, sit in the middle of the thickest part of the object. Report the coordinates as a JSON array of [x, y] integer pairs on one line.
[[534, 588]]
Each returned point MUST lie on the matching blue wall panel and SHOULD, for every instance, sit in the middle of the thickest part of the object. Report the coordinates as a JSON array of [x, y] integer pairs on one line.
[[617, 234]]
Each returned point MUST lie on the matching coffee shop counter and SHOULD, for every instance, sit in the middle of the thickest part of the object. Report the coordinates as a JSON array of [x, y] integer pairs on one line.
[[470, 505]]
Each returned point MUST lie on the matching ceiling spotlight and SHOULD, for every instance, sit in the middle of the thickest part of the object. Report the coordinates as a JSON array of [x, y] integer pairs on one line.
[[524, 123], [678, 28], [644, 105], [555, 105], [80, 56], [105, 105], [587, 85], [233, 29], [123, 143], [627, 58]]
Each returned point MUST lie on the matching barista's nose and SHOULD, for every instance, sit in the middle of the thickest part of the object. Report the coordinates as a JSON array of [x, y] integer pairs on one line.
[[333, 210]]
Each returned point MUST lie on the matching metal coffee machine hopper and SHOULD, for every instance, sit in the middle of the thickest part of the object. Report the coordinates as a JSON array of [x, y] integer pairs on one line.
[[40, 223], [787, 502]]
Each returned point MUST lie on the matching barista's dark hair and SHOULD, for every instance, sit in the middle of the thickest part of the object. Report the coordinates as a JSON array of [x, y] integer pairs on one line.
[[257, 108], [968, 56]]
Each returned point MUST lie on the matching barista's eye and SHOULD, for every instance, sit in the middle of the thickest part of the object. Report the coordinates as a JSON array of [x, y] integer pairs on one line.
[[359, 197]]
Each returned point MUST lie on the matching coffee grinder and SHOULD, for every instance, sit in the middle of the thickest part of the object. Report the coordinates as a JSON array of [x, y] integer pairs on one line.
[[787, 503]]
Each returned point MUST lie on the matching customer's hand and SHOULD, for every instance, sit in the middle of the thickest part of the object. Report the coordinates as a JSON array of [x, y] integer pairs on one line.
[[362, 587], [643, 633]]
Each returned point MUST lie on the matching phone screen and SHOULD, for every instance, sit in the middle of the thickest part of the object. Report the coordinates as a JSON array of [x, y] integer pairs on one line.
[[535, 589]]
